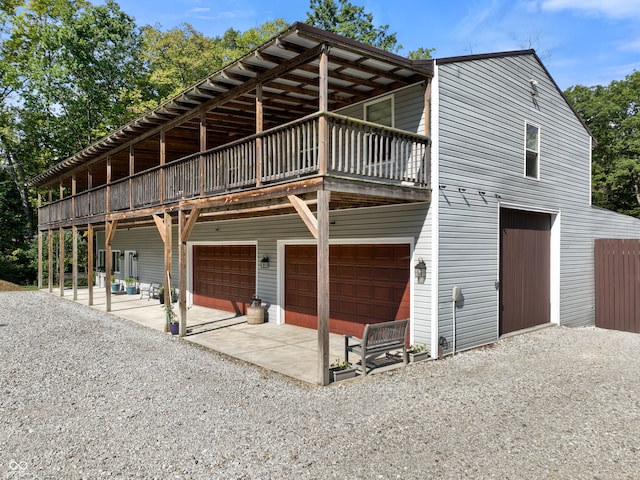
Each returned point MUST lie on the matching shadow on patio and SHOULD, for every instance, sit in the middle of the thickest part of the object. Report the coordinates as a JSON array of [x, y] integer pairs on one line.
[[286, 349]]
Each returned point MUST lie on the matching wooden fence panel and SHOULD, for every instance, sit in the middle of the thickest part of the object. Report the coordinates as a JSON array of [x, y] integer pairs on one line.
[[617, 273]]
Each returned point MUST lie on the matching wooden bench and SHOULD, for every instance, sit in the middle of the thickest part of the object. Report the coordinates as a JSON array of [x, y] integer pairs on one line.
[[379, 338]]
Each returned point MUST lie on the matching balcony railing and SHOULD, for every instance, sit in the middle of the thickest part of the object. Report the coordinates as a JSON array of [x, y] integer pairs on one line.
[[356, 149]]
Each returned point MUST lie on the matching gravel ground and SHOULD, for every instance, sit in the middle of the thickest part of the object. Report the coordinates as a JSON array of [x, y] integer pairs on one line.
[[86, 395]]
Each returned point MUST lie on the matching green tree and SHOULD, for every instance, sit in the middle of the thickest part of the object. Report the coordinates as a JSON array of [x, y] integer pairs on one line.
[[351, 21], [63, 67], [612, 115]]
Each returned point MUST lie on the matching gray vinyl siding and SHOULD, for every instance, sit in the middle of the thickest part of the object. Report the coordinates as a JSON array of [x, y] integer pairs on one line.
[[484, 105], [367, 224]]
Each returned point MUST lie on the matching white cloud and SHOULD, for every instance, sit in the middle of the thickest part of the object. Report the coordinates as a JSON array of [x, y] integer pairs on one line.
[[476, 18], [630, 45], [608, 8]]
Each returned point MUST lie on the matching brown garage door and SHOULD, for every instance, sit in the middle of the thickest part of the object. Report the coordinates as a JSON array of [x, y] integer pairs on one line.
[[368, 284], [525, 262], [224, 276]]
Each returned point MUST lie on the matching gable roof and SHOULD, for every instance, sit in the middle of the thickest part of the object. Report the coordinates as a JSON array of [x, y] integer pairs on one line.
[[516, 53]]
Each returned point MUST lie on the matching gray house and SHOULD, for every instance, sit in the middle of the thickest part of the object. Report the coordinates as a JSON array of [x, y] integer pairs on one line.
[[345, 185]]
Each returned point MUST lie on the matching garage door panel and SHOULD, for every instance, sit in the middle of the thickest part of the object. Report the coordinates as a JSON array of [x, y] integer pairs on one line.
[[367, 285], [224, 276]]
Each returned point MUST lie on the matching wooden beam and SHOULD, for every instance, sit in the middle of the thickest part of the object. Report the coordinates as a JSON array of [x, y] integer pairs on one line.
[[323, 286], [160, 226], [305, 214], [203, 147], [108, 192], [90, 262], [190, 222], [163, 160], [110, 230]]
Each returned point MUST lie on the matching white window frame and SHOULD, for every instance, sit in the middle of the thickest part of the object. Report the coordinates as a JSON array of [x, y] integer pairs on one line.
[[115, 261], [528, 124], [379, 100]]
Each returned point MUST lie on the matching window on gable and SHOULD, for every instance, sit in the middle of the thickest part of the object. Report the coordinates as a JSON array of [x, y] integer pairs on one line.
[[532, 152]]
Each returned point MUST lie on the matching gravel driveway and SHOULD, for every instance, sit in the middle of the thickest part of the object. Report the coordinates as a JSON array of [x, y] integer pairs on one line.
[[86, 395]]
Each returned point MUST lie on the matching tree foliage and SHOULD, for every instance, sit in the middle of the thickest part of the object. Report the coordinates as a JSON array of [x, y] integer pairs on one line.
[[612, 115]]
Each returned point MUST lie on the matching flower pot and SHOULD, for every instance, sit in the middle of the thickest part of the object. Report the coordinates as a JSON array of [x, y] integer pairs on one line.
[[161, 298], [418, 357], [338, 374], [174, 328], [132, 290], [115, 287]]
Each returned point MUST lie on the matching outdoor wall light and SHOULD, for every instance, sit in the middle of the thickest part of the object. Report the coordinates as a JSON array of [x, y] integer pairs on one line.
[[534, 87], [121, 254], [421, 271], [264, 262], [135, 255]]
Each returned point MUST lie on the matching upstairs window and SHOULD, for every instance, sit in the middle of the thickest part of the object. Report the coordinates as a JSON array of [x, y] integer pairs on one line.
[[532, 151], [380, 111]]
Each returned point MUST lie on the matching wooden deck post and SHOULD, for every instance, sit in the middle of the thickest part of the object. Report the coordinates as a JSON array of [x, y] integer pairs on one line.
[[167, 263], [259, 129], [185, 227], [40, 252], [132, 169], [323, 286], [203, 147], [90, 262], [61, 260], [50, 239], [109, 233], [163, 158], [74, 257], [323, 105]]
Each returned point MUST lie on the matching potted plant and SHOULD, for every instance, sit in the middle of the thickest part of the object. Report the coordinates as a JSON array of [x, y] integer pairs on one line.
[[418, 352], [174, 296], [172, 318], [115, 287], [341, 370], [131, 285]]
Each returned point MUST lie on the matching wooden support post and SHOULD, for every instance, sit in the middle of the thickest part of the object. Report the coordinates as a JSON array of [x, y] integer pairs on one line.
[[50, 238], [39, 244], [74, 266], [323, 286], [108, 192], [109, 233], [203, 147], [167, 263], [259, 129], [427, 132], [90, 262], [323, 105], [132, 169], [185, 227], [61, 259], [40, 252], [163, 158]]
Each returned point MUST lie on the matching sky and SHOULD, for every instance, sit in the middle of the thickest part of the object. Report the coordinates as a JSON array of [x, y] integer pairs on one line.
[[581, 42]]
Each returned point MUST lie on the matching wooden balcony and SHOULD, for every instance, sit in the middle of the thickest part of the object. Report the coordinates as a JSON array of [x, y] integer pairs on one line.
[[356, 151]]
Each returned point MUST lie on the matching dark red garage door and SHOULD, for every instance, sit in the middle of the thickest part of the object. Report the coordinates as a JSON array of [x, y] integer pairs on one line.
[[224, 276], [525, 263], [368, 284]]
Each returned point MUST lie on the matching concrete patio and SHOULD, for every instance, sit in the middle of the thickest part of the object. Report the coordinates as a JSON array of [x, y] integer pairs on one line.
[[287, 349]]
